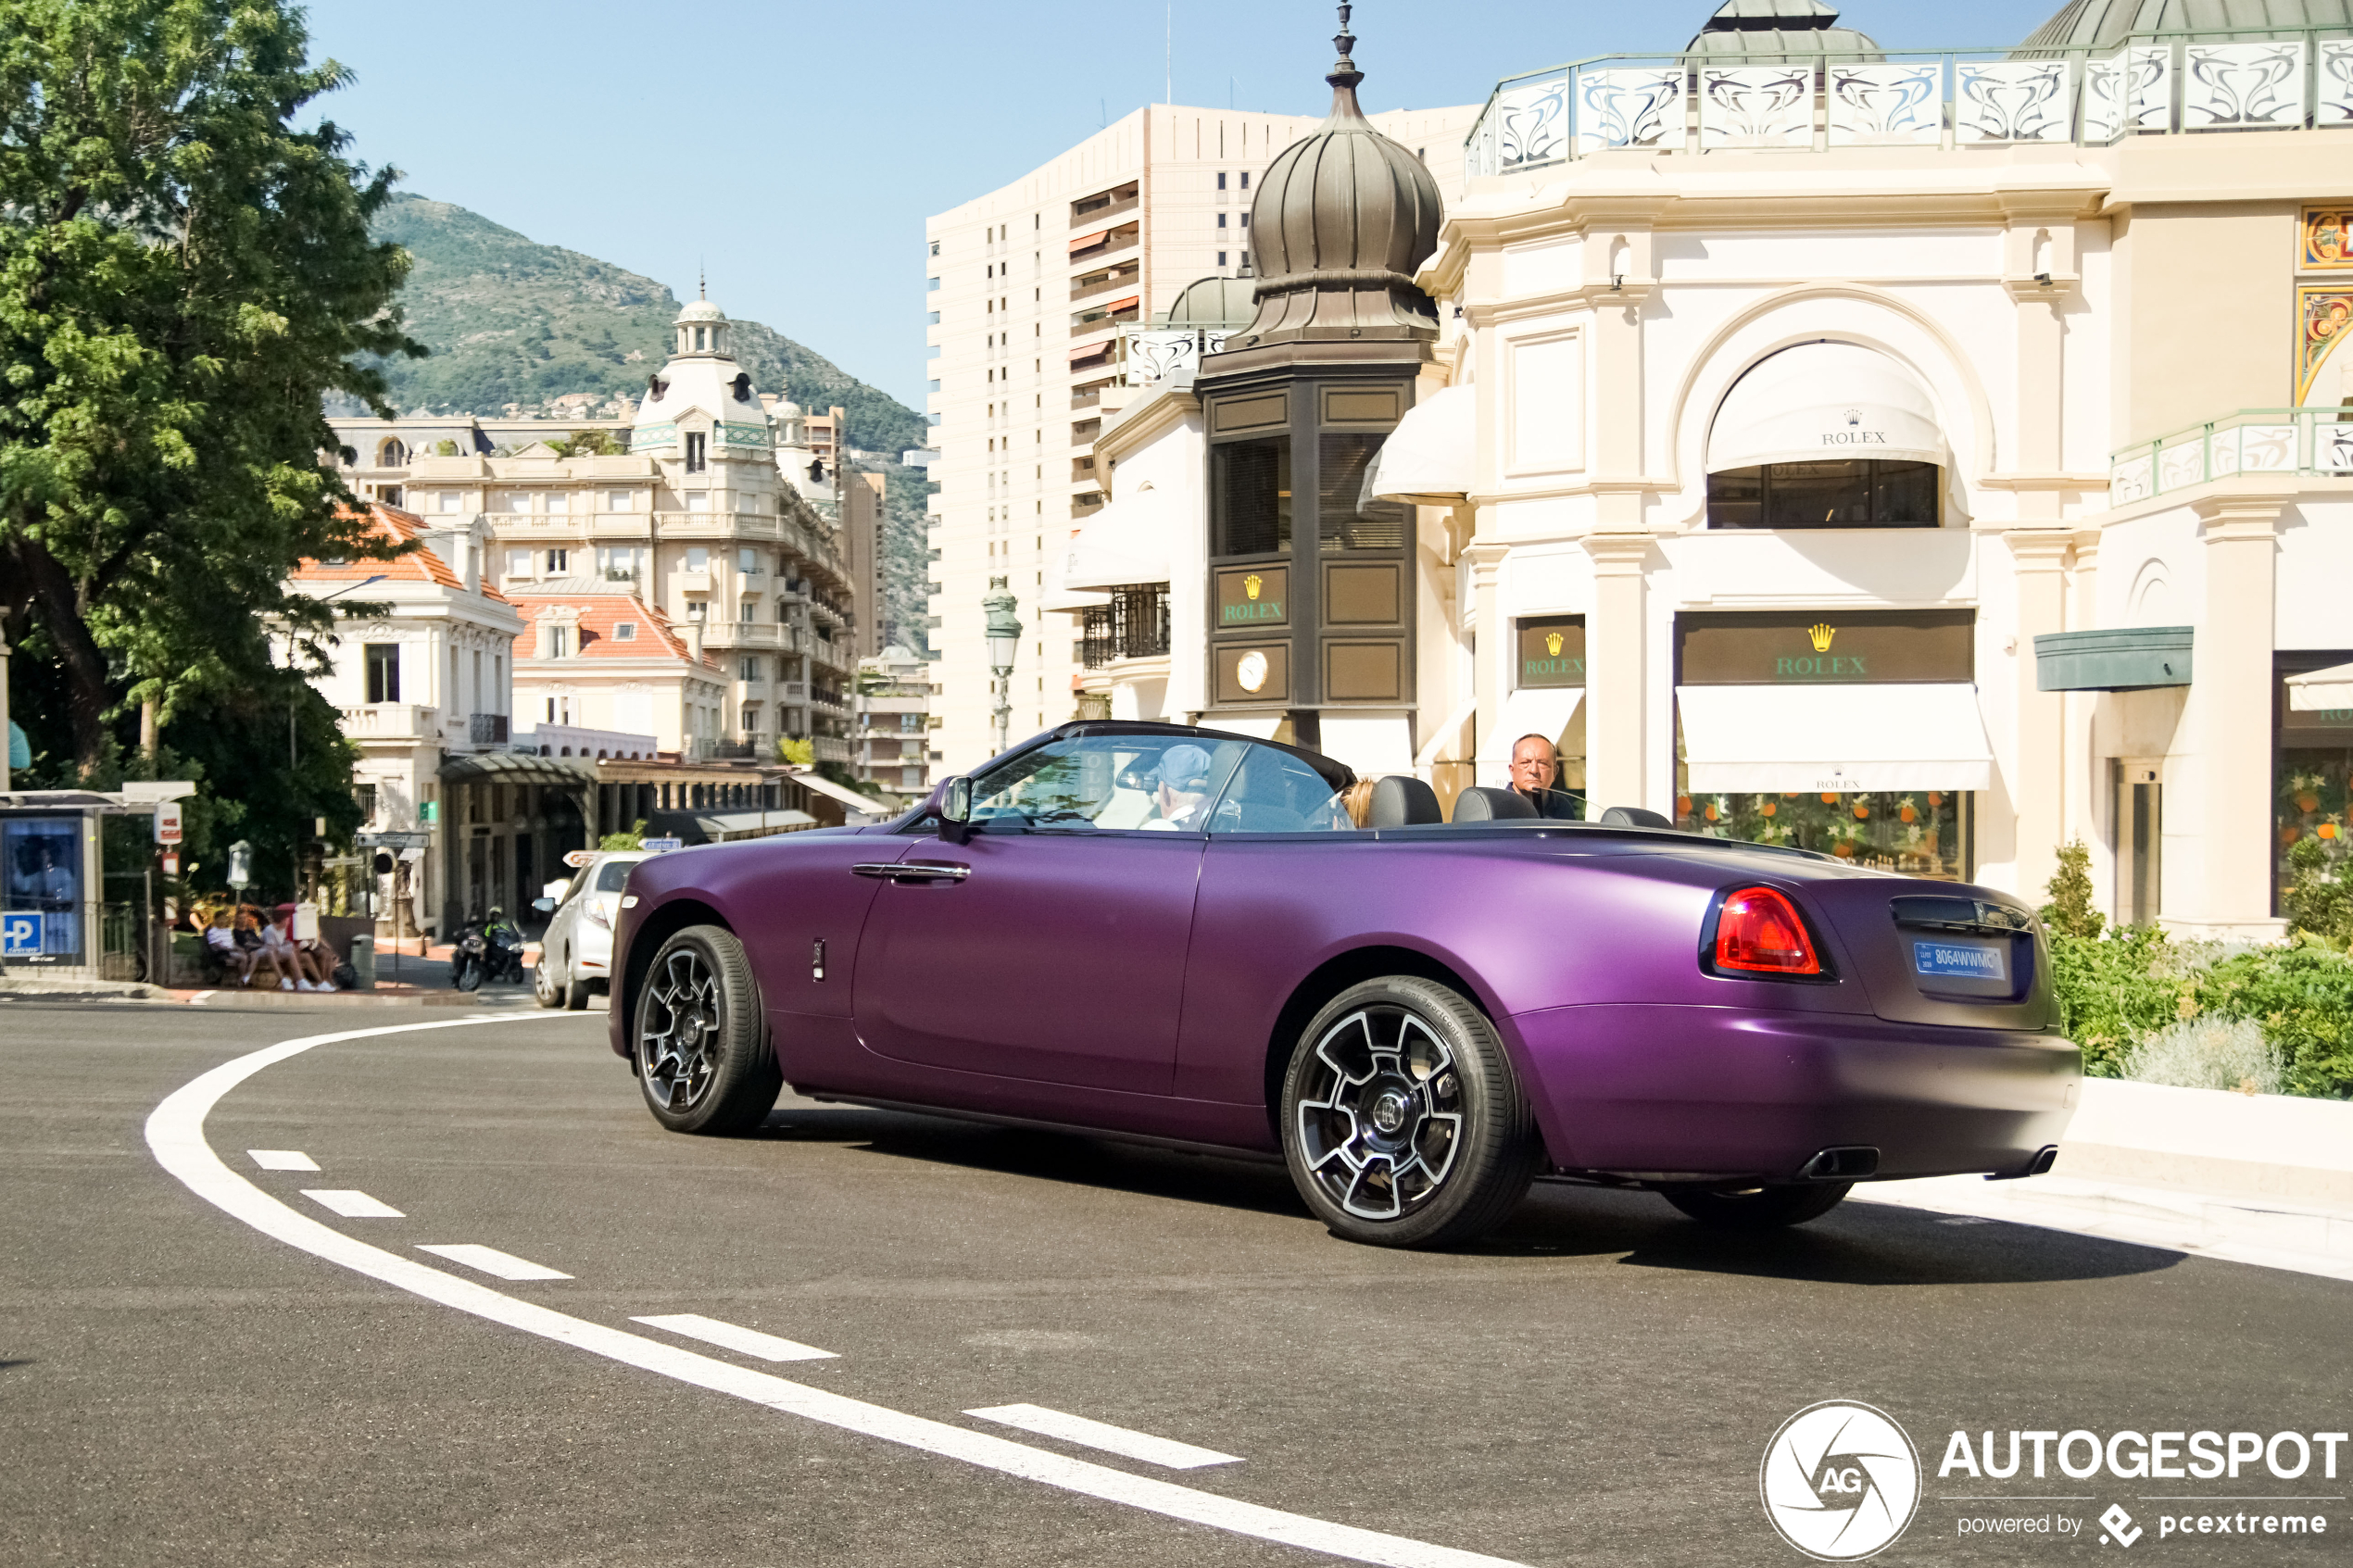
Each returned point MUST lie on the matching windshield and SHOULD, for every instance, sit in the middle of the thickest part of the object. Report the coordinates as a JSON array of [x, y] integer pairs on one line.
[[612, 875], [1157, 784]]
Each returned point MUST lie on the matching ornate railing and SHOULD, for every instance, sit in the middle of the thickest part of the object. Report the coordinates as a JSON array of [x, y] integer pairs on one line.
[[1168, 356], [2296, 442], [2152, 83], [1134, 625]]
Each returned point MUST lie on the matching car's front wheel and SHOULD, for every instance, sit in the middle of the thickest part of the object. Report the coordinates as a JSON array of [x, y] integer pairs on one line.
[[1757, 1208], [544, 988], [703, 1058], [1404, 1123]]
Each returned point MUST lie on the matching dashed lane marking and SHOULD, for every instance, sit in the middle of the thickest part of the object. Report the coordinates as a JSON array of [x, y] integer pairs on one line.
[[281, 1160], [175, 1136], [1101, 1435], [734, 1336], [490, 1260], [352, 1204]]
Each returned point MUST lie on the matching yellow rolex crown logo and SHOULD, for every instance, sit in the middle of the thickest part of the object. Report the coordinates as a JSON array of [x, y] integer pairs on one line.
[[1553, 644], [1821, 636], [1251, 583]]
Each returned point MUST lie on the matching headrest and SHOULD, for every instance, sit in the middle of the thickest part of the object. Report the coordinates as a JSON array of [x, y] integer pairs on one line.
[[1401, 801], [1482, 805], [1634, 817]]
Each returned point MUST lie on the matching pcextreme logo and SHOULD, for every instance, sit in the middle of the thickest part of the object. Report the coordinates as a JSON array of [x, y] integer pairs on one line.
[[1841, 1481]]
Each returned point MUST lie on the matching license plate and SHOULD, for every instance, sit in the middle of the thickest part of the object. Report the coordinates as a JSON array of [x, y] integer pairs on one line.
[[1961, 960]]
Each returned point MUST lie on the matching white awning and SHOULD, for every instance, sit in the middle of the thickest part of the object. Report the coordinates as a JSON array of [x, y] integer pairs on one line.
[[1124, 542], [1823, 402], [1531, 710], [849, 798], [1427, 459], [1753, 739], [2319, 692]]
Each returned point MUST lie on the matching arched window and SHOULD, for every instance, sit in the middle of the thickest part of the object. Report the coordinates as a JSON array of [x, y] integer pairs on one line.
[[392, 453], [1826, 435]]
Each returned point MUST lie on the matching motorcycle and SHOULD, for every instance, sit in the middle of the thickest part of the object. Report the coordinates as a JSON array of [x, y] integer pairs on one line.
[[469, 958], [486, 951], [505, 954]]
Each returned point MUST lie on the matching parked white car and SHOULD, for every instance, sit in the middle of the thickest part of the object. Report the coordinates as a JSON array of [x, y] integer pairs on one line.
[[576, 956]]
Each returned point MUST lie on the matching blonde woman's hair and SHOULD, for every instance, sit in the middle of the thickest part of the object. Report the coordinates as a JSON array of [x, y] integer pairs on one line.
[[1358, 801]]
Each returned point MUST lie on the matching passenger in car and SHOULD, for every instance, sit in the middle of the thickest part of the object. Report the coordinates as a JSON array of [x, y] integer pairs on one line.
[[1534, 767], [1358, 801], [1184, 790]]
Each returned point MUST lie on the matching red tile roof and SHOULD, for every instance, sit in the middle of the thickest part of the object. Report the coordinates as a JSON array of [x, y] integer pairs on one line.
[[600, 614], [422, 565]]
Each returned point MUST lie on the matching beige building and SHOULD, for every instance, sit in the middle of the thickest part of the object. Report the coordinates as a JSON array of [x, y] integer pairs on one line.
[[1030, 288], [1926, 460], [894, 737], [593, 656], [719, 516]]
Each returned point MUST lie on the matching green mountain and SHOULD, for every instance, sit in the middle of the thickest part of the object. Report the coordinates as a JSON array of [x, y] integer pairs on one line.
[[514, 321]]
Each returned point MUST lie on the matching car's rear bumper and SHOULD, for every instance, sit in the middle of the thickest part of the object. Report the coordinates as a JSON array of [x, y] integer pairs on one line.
[[1659, 1092]]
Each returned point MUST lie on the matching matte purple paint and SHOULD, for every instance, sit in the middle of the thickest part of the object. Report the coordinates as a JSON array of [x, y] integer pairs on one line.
[[1136, 984]]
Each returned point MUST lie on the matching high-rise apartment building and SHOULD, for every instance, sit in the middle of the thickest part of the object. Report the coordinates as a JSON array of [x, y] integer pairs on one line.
[[1102, 236]]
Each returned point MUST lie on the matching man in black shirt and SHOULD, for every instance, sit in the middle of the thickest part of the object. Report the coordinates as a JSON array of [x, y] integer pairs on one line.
[[1534, 767]]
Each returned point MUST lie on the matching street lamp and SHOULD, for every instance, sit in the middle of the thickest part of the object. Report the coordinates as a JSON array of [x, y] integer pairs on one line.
[[1005, 642]]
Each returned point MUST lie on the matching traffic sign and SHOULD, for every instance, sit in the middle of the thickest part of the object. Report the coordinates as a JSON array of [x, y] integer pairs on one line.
[[21, 934], [168, 822], [663, 846], [171, 864], [395, 839]]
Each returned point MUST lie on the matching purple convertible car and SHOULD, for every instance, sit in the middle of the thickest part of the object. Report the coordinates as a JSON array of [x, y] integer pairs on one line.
[[1179, 936]]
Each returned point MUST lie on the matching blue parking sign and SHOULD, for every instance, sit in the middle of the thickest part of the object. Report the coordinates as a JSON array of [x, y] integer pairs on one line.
[[20, 934]]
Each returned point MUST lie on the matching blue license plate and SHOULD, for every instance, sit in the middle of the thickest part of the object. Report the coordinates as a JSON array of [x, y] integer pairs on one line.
[[1961, 960]]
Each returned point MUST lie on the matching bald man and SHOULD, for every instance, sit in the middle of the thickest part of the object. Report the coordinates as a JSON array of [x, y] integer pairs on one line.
[[1534, 767]]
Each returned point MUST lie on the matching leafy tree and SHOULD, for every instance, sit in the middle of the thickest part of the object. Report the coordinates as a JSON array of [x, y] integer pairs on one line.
[[184, 275], [590, 444], [634, 839]]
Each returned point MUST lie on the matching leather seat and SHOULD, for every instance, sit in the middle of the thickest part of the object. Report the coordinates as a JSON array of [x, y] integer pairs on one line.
[[1634, 817], [1480, 804], [1401, 801]]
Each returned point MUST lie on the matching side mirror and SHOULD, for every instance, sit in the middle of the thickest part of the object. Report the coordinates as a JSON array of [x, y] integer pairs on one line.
[[544, 906], [956, 811]]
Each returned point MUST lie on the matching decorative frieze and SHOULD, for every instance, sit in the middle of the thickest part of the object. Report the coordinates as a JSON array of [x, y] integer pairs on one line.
[[1628, 108], [2011, 101], [1756, 107], [2242, 86], [1879, 104]]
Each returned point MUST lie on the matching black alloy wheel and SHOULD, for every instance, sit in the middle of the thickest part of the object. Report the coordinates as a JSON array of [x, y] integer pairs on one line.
[[1767, 1208], [700, 1041], [1404, 1123]]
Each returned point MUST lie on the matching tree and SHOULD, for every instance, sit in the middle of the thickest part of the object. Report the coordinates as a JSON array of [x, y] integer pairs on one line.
[[183, 276], [590, 444]]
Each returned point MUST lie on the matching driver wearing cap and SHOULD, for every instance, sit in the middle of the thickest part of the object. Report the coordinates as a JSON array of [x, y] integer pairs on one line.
[[1184, 790]]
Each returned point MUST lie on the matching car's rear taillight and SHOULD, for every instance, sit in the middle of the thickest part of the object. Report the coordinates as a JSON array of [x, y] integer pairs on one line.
[[597, 915], [1758, 931]]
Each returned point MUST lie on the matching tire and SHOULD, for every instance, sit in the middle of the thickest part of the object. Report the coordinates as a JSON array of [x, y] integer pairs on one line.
[[544, 989], [467, 975], [577, 993], [1463, 1145], [1758, 1209], [699, 1038]]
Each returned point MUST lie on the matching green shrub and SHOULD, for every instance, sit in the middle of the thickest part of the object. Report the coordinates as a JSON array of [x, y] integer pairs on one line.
[[2320, 897], [2211, 1052], [2114, 991], [2303, 999]]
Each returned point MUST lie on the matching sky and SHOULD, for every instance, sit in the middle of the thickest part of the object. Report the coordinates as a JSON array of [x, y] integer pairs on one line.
[[795, 149]]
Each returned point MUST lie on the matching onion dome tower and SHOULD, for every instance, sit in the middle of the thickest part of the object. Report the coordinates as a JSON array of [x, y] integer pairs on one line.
[[1341, 220], [1312, 583]]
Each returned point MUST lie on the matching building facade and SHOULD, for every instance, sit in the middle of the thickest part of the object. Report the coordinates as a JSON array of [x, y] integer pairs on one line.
[[1131, 216], [1927, 460], [894, 735], [711, 508]]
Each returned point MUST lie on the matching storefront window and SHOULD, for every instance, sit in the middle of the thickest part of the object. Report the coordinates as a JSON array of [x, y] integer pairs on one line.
[[2313, 796], [41, 858], [1850, 493], [1917, 833]]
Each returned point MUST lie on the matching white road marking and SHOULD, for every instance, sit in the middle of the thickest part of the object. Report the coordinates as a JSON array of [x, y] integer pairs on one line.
[[352, 1204], [490, 1260], [201, 997], [734, 1336], [1100, 1435], [175, 1135], [281, 1160]]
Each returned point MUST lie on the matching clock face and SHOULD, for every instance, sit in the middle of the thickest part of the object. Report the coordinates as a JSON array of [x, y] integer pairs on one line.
[[1250, 671]]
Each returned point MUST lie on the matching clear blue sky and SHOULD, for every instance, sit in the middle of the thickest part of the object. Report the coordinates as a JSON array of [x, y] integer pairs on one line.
[[798, 148]]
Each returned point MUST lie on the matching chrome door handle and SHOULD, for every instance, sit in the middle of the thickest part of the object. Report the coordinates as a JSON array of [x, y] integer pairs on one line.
[[913, 871]]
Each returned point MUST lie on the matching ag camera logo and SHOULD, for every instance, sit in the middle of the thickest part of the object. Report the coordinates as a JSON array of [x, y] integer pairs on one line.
[[1841, 1481]]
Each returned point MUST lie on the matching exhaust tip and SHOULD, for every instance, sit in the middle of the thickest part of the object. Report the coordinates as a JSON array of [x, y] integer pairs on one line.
[[2044, 1158], [1851, 1163]]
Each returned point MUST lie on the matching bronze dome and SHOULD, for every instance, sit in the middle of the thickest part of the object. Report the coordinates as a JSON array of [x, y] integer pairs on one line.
[[1214, 302], [1341, 220]]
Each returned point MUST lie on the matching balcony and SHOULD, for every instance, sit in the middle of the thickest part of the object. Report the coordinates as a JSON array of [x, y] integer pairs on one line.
[[1090, 250], [1103, 318], [1134, 625], [1119, 278], [1093, 212], [829, 749], [746, 634], [2246, 78], [1158, 357], [2298, 443], [392, 721]]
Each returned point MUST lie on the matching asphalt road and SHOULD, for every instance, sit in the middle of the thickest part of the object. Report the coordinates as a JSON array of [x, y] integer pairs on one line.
[[1596, 1384]]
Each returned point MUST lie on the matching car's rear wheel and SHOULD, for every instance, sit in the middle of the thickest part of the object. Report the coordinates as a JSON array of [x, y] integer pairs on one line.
[[544, 989], [1758, 1208], [1404, 1123], [703, 1058]]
